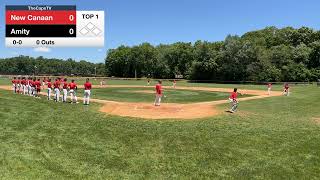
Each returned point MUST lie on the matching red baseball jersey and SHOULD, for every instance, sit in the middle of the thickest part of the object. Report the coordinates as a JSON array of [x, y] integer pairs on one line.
[[37, 84], [158, 89], [286, 86], [65, 85], [87, 86], [234, 95], [56, 84], [72, 85], [49, 84]]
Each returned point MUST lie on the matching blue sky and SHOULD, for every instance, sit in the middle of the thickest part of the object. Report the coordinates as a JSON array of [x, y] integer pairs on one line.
[[131, 22]]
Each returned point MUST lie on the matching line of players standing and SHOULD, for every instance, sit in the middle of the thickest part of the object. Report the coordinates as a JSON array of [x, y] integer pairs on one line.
[[32, 87]]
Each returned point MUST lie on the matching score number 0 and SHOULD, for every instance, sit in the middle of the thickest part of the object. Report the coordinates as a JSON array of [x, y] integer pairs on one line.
[[71, 30]]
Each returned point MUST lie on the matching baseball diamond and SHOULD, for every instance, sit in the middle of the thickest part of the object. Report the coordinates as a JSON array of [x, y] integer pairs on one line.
[[160, 89]]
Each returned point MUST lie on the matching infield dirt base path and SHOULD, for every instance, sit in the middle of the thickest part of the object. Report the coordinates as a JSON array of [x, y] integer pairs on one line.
[[169, 110]]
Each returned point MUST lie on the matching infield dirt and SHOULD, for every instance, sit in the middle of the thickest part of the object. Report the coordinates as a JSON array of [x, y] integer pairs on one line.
[[170, 110]]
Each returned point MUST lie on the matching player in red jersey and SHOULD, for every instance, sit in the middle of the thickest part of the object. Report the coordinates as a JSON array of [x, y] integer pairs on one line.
[[87, 92], [269, 88], [157, 101], [286, 88], [49, 85], [73, 88], [29, 86], [56, 85], [37, 84], [61, 80], [33, 87], [21, 85], [14, 85], [233, 100], [64, 90], [18, 84], [24, 85]]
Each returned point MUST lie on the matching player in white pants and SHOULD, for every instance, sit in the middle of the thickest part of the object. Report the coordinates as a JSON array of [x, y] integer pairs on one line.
[[65, 90], [56, 90], [33, 87], [87, 92], [24, 86], [269, 85], [18, 86], [233, 100], [73, 87], [49, 84], [29, 86], [157, 101], [14, 85]]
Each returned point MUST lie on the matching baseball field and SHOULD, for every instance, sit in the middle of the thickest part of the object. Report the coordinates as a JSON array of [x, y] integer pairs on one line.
[[121, 135]]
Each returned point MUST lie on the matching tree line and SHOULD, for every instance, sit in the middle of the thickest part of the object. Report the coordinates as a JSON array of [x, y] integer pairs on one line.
[[270, 54], [25, 65]]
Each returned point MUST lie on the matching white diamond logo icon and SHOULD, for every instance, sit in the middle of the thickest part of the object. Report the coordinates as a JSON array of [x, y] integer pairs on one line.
[[96, 31], [90, 26], [84, 31]]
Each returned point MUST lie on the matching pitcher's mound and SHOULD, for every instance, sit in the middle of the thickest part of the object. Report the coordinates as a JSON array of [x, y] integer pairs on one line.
[[165, 111]]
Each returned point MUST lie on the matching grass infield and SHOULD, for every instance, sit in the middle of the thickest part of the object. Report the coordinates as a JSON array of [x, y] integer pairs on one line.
[[147, 95]]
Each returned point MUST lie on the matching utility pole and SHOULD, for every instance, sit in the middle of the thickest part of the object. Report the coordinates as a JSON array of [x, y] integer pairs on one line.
[[35, 70], [95, 71]]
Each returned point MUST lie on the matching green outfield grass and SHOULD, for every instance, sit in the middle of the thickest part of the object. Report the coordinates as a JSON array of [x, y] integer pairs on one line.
[[272, 138]]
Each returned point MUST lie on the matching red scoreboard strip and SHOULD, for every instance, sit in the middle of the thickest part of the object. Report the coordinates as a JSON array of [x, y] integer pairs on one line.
[[41, 17], [41, 21]]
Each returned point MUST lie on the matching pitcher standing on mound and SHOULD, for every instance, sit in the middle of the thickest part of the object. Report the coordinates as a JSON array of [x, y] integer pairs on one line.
[[157, 101]]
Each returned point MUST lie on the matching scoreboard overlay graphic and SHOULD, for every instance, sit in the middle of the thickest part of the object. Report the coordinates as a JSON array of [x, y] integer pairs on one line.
[[53, 26]]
